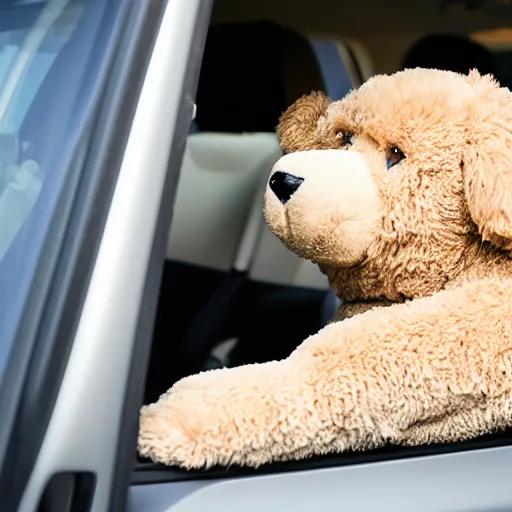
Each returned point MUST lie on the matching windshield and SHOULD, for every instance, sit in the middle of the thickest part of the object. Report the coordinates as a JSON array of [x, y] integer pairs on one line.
[[50, 61]]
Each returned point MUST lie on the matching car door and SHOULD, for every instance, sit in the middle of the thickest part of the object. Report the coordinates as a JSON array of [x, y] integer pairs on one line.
[[96, 97]]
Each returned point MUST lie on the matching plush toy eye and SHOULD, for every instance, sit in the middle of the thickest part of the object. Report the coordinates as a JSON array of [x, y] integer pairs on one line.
[[394, 156], [345, 138]]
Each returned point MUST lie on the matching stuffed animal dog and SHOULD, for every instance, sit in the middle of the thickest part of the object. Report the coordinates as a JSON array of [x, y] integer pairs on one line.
[[402, 194]]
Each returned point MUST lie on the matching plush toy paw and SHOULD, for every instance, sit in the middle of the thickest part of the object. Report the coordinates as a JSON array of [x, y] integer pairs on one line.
[[164, 437], [174, 431], [219, 417], [183, 427]]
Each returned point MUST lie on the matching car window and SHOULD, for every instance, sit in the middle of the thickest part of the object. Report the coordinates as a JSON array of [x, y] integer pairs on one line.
[[48, 62], [23, 66]]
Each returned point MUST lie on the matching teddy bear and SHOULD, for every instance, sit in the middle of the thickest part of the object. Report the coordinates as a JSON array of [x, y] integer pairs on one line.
[[401, 193]]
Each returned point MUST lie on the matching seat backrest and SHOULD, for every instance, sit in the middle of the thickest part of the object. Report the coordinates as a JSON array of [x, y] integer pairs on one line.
[[220, 173], [234, 145]]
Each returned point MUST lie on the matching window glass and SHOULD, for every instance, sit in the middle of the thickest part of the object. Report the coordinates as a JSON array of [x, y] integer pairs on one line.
[[51, 57], [27, 81]]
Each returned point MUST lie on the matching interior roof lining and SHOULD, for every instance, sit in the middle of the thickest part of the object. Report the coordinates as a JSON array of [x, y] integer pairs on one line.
[[365, 17]]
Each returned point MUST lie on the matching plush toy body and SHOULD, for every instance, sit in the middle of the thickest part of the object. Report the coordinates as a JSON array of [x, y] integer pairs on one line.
[[402, 194]]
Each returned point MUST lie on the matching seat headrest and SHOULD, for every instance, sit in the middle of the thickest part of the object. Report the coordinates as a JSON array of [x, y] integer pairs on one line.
[[251, 72], [449, 53]]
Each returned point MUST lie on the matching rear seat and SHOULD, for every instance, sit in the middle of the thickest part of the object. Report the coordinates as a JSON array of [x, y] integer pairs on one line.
[[218, 237]]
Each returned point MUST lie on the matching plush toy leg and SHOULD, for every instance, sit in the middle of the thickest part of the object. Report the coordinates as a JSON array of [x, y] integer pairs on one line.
[[247, 415], [432, 370]]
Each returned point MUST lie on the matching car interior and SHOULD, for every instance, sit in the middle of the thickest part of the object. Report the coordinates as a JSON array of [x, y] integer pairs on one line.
[[231, 293]]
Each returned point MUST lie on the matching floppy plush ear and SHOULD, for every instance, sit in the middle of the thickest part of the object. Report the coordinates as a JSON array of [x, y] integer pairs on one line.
[[488, 163], [298, 126]]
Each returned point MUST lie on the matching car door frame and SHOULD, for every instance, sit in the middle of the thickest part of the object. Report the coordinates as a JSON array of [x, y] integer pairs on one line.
[[134, 148]]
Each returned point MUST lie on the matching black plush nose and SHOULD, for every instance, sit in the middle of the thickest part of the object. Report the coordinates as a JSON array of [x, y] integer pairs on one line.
[[284, 185]]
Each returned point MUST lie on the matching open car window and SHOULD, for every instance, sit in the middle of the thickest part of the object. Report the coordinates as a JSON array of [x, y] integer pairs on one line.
[[405, 477]]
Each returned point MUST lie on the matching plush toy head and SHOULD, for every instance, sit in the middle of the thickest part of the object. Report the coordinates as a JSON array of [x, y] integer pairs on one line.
[[403, 186]]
